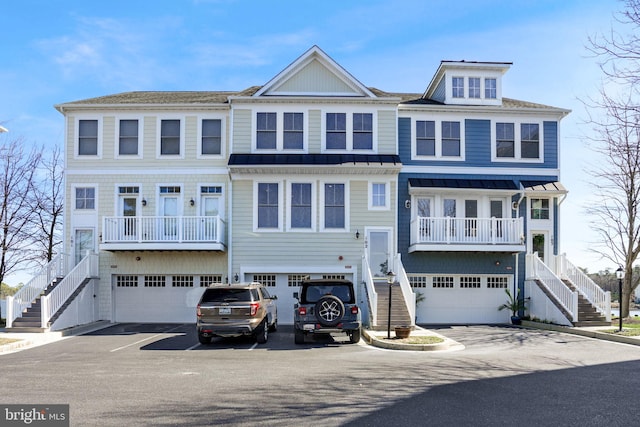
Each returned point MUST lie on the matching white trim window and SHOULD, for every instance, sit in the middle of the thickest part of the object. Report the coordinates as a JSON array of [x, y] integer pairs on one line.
[[301, 206], [443, 139], [276, 131], [517, 141], [334, 202], [293, 131], [210, 137], [540, 209], [85, 198], [474, 87], [379, 197], [170, 138], [88, 137], [490, 88], [349, 132], [128, 131], [457, 87], [268, 206], [266, 131]]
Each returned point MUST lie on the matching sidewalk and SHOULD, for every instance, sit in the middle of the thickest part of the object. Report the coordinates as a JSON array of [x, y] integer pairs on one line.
[[591, 332], [379, 339]]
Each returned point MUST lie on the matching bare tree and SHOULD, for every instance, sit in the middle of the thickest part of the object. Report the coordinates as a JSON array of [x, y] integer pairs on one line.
[[48, 205], [615, 118], [16, 213]]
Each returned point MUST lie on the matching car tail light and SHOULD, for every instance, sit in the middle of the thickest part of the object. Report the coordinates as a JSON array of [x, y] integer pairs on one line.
[[354, 309], [302, 311], [254, 308], [198, 312]]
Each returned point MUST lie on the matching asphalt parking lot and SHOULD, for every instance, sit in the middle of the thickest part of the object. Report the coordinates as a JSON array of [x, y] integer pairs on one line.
[[158, 374]]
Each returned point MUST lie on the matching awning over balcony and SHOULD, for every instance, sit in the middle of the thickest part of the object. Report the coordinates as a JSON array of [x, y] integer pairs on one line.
[[491, 185], [550, 188]]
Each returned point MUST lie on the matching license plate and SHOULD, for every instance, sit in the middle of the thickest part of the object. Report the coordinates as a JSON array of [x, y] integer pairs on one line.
[[224, 310], [308, 327]]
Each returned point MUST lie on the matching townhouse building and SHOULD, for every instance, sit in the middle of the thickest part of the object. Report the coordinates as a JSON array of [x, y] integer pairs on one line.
[[455, 189]]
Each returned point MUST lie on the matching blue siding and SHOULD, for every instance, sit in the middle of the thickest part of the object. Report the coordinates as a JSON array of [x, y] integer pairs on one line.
[[550, 131], [459, 263], [404, 139], [477, 142]]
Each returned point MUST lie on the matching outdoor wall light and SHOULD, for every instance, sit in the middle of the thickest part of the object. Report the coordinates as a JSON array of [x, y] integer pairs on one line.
[[357, 234], [236, 277], [192, 202]]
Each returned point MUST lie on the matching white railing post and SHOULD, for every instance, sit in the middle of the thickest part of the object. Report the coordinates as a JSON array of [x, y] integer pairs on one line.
[[44, 313], [9, 315]]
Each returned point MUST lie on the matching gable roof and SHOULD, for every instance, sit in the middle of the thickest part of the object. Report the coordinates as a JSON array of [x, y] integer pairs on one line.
[[314, 73]]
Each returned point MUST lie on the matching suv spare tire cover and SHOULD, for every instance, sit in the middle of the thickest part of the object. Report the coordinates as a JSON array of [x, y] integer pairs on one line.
[[329, 310]]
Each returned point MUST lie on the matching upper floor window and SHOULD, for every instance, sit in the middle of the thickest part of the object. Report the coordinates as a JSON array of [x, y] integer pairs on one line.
[[293, 128], [517, 141], [490, 88], [457, 86], [268, 205], [362, 131], [334, 206], [379, 196], [301, 205], [336, 131], [437, 140], [87, 137], [128, 138], [170, 137], [539, 208], [474, 87], [85, 198], [266, 126], [211, 142]]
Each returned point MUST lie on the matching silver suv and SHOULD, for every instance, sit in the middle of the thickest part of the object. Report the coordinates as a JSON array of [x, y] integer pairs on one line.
[[324, 307], [236, 310]]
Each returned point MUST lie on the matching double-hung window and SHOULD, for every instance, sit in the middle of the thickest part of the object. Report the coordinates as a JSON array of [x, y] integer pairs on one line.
[[293, 131], [530, 140], [128, 138], [211, 142], [334, 206], [268, 209], [457, 86], [301, 205], [267, 132], [451, 139], [490, 88], [505, 140], [378, 196], [169, 137], [474, 87], [425, 138], [87, 137], [336, 131], [539, 208], [362, 131]]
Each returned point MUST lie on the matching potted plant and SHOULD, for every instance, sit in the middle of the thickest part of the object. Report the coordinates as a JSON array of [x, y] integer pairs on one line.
[[514, 305]]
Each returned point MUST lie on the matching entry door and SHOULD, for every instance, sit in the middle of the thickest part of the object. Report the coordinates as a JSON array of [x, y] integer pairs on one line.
[[210, 209], [83, 242], [497, 210], [169, 210], [540, 244], [379, 252], [129, 210]]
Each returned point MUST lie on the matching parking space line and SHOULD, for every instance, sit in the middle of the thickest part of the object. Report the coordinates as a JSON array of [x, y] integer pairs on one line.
[[146, 339], [193, 346], [253, 346]]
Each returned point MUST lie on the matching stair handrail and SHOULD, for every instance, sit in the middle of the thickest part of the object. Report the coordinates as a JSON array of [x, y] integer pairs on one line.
[[407, 291], [27, 295], [567, 298], [367, 278], [86, 268], [599, 298]]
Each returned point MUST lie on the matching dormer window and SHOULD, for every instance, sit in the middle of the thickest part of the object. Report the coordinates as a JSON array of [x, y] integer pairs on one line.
[[474, 87], [490, 88], [457, 85]]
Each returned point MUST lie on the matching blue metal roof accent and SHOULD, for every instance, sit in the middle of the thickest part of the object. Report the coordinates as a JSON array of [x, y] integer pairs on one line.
[[476, 184], [311, 159]]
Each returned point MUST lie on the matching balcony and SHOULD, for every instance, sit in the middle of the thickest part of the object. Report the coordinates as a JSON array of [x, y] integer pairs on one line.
[[187, 233], [467, 234]]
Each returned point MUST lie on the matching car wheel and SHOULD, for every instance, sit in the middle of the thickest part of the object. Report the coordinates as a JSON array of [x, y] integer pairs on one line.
[[354, 336], [204, 340], [298, 336], [329, 310], [262, 332]]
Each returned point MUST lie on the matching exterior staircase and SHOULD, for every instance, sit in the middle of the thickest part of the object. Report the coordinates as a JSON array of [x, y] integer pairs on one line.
[[399, 312], [587, 313], [31, 319]]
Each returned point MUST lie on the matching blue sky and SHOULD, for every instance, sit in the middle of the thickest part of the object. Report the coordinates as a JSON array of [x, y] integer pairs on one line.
[[59, 51]]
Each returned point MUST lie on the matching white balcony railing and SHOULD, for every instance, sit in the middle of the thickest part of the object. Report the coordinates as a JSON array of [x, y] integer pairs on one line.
[[163, 229], [467, 231]]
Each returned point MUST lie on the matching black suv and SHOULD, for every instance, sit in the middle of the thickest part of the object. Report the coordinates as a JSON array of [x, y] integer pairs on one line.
[[326, 306], [235, 310]]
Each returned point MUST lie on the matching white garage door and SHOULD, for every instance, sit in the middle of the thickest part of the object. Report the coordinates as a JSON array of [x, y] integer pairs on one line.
[[155, 299], [463, 299]]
